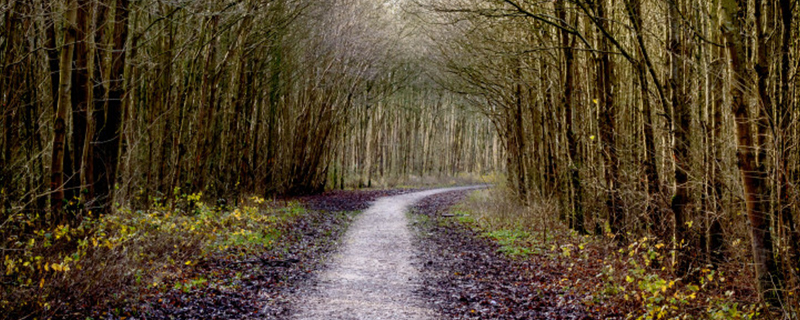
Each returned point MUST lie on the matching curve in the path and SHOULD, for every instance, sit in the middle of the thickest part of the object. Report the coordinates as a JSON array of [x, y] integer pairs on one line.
[[372, 276]]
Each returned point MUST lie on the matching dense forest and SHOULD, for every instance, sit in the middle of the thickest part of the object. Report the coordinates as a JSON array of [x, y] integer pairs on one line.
[[669, 119], [675, 120], [114, 102], [117, 104]]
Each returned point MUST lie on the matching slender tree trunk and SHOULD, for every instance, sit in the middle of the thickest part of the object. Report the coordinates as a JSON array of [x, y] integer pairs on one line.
[[272, 115], [682, 143], [109, 123], [52, 52], [754, 177], [606, 102], [8, 105], [519, 140], [204, 130], [81, 97], [785, 143], [653, 209], [715, 236], [60, 121]]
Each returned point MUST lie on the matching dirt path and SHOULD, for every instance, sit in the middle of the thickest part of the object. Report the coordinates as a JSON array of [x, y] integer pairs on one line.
[[372, 276]]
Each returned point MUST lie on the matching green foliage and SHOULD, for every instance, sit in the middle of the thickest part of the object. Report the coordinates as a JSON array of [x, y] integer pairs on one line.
[[464, 217], [131, 248], [637, 276], [187, 285], [512, 242], [662, 297]]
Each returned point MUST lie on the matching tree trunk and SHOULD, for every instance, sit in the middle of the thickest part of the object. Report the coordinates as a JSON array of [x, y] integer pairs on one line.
[[81, 97], [785, 143], [754, 176], [715, 236], [52, 52], [109, 122], [519, 140], [60, 121], [654, 212], [682, 122], [605, 100]]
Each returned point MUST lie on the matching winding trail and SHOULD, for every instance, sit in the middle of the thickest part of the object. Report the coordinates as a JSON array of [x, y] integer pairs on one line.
[[372, 276]]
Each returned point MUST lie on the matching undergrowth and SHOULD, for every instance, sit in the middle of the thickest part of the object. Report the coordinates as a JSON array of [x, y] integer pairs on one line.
[[634, 280], [109, 260]]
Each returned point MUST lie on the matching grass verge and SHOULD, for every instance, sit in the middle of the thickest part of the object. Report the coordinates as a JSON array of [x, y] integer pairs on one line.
[[630, 282]]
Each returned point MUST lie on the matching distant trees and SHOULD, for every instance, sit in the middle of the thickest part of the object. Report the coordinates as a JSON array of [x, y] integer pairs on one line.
[[665, 95], [112, 102]]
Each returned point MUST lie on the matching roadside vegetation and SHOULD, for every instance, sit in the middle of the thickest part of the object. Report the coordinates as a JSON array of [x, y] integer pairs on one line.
[[138, 262], [636, 279]]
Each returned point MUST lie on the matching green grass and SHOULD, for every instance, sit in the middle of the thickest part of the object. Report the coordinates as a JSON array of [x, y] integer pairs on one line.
[[513, 243]]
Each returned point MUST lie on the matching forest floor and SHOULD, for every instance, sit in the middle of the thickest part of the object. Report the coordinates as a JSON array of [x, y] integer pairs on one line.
[[265, 286], [482, 257], [468, 276], [410, 254]]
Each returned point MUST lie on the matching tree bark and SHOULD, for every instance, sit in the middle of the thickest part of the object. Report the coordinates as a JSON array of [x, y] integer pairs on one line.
[[654, 211], [81, 97], [754, 176], [785, 143], [577, 217], [682, 121], [109, 122], [608, 135], [60, 120]]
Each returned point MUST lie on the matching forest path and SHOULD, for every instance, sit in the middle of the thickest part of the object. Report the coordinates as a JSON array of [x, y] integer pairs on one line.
[[372, 277]]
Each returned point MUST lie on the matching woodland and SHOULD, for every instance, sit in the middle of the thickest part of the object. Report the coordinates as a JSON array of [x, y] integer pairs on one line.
[[128, 128]]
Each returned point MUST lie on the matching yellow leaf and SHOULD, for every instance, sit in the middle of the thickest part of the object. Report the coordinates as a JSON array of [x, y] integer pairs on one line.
[[188, 262], [41, 283], [595, 101]]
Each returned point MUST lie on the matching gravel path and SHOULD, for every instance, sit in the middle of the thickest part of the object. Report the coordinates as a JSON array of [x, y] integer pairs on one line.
[[372, 276]]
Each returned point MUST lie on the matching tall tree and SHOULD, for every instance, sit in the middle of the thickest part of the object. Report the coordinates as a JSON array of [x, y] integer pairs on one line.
[[568, 101], [643, 64], [754, 175], [784, 143], [107, 116], [60, 120], [605, 88], [681, 110]]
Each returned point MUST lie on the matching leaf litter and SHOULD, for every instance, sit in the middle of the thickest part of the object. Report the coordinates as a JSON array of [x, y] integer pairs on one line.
[[261, 285], [466, 277]]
